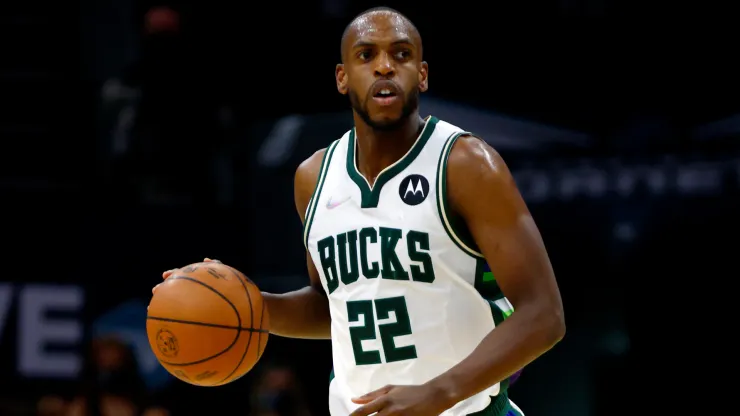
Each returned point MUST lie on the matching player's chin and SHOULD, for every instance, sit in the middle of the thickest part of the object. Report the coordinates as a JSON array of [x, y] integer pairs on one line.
[[386, 121], [387, 114]]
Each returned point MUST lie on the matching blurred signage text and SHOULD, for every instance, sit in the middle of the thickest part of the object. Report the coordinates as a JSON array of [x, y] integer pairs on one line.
[[48, 330]]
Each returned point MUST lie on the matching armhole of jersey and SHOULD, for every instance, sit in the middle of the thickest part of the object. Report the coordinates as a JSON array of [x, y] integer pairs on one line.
[[311, 210], [501, 309], [455, 230]]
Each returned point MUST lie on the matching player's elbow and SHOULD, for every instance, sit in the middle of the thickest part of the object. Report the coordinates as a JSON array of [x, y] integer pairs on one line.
[[559, 327], [547, 323], [552, 324]]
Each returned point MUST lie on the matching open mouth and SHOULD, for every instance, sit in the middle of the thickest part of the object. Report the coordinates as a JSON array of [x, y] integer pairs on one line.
[[385, 93]]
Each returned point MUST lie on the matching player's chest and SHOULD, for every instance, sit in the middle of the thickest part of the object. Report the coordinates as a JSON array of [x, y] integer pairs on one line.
[[343, 219], [351, 245]]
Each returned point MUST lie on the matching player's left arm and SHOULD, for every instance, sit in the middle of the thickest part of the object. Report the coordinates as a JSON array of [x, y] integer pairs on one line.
[[482, 191]]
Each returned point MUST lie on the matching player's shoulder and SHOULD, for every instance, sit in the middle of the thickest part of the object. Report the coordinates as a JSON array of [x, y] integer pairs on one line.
[[308, 171], [472, 152], [473, 161], [478, 179], [312, 164], [306, 176], [467, 147]]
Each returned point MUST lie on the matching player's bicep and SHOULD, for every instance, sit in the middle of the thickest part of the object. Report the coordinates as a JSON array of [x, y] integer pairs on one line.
[[304, 185], [483, 192], [304, 182]]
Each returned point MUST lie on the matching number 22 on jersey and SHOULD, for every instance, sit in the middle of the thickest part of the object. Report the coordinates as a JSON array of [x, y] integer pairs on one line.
[[380, 309]]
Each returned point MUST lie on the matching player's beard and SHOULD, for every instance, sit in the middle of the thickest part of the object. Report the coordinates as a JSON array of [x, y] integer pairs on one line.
[[409, 105]]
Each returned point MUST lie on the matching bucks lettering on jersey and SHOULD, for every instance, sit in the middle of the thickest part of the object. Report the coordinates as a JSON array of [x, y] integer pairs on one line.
[[410, 295]]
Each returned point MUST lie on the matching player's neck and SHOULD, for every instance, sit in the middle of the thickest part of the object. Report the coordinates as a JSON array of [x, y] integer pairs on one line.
[[377, 149]]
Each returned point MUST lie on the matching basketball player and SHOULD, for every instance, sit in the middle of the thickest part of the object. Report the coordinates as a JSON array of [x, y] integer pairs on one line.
[[402, 216]]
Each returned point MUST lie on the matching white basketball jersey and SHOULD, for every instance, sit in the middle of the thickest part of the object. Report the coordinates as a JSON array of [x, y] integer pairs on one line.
[[409, 293]]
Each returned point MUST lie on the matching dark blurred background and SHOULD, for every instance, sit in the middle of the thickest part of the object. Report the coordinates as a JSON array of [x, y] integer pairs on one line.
[[144, 135]]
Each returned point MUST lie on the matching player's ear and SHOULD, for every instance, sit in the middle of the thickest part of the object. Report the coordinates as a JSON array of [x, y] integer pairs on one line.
[[341, 77], [424, 77]]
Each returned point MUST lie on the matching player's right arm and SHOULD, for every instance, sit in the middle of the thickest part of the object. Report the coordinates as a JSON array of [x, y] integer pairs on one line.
[[303, 313]]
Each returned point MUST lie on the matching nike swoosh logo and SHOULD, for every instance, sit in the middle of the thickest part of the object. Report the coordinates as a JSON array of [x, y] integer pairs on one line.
[[333, 204]]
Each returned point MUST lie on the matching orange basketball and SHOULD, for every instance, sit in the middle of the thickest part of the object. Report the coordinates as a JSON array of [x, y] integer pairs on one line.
[[207, 324]]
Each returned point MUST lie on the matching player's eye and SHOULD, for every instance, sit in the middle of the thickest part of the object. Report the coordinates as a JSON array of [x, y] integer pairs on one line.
[[403, 54], [364, 55]]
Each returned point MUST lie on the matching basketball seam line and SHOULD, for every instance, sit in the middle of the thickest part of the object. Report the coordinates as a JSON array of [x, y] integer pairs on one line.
[[180, 321], [239, 275], [233, 307]]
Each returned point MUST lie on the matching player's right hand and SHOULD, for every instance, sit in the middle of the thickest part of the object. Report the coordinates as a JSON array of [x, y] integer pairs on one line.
[[169, 273]]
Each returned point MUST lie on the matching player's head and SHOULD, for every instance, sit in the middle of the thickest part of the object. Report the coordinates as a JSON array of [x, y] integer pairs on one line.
[[382, 69]]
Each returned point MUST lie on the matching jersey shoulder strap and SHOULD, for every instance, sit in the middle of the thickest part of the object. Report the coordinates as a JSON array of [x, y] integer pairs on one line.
[[313, 201], [456, 229]]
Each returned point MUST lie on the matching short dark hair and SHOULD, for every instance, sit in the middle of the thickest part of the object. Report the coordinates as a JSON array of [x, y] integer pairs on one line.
[[373, 10]]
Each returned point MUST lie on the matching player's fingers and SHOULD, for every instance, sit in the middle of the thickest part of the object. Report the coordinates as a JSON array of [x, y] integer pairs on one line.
[[168, 273], [207, 260], [370, 408], [154, 289], [367, 398]]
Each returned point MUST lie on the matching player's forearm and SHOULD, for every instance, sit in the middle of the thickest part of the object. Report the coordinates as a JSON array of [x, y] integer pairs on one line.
[[303, 313], [523, 337]]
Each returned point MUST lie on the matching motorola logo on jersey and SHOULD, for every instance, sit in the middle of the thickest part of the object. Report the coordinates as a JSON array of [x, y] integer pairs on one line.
[[414, 189]]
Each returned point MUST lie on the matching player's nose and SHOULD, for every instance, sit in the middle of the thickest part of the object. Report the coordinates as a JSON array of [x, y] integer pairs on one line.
[[384, 65]]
